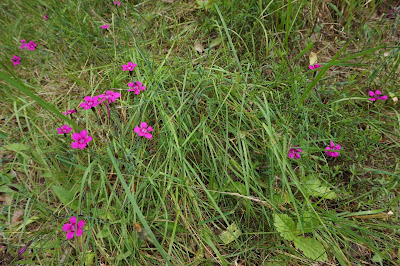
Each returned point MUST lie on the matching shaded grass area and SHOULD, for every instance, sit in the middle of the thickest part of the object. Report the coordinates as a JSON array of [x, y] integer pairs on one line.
[[224, 120]]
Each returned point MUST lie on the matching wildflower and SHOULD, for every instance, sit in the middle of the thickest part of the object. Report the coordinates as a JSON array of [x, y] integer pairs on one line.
[[90, 102], [64, 129], [30, 46], [73, 228], [82, 139], [69, 112], [136, 87], [144, 130], [45, 17], [332, 150], [376, 96], [117, 3], [293, 152], [129, 66], [111, 96], [23, 249], [105, 26], [312, 67], [16, 60]]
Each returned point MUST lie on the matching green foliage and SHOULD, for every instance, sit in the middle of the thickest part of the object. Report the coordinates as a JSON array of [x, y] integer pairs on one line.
[[316, 189]]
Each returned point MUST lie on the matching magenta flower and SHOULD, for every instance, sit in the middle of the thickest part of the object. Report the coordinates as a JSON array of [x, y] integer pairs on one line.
[[90, 102], [144, 130], [332, 150], [312, 67], [29, 46], [111, 96], [295, 153], [117, 3], [45, 17], [82, 139], [129, 66], [105, 26], [73, 228], [16, 60], [69, 112], [376, 96], [136, 87], [64, 129]]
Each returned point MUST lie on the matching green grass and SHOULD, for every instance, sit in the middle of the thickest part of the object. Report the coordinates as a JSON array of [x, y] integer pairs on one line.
[[223, 122]]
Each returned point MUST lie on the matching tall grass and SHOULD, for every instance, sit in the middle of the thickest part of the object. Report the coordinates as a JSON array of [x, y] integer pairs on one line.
[[224, 121]]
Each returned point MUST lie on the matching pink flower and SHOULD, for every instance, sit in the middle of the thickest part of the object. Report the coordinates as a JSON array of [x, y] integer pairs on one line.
[[293, 152], [64, 129], [90, 102], [312, 67], [143, 130], [82, 139], [23, 249], [111, 96], [376, 96], [73, 228], [69, 112], [118, 3], [45, 17], [30, 46], [129, 66], [105, 26], [136, 87], [332, 150], [16, 60]]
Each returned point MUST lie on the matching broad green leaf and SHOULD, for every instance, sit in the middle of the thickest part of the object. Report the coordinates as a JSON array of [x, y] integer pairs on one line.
[[311, 248], [231, 234], [377, 258], [285, 226], [66, 197], [316, 189], [16, 147]]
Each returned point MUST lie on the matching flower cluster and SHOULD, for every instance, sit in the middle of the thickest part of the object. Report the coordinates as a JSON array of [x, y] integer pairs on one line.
[[376, 96], [315, 66], [73, 228], [105, 26], [136, 87], [29, 46], [129, 66], [331, 151], [117, 3]]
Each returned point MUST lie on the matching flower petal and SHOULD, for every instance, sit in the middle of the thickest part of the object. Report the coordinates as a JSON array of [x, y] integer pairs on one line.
[[70, 235], [143, 125], [291, 155], [83, 133], [66, 227], [371, 93], [76, 136], [378, 92], [137, 129], [150, 129], [81, 146], [337, 147], [88, 139], [297, 155], [79, 232], [81, 223], [72, 220], [74, 145], [332, 144], [148, 135]]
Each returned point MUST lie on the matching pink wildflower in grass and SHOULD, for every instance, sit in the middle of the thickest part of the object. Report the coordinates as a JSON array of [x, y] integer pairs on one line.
[[16, 60], [144, 130], [69, 112], [45, 17], [105, 26], [73, 228], [90, 102], [64, 129], [23, 249], [82, 139], [129, 66], [332, 150], [29, 46], [111, 96], [294, 153], [117, 3], [312, 67], [136, 87], [376, 96]]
